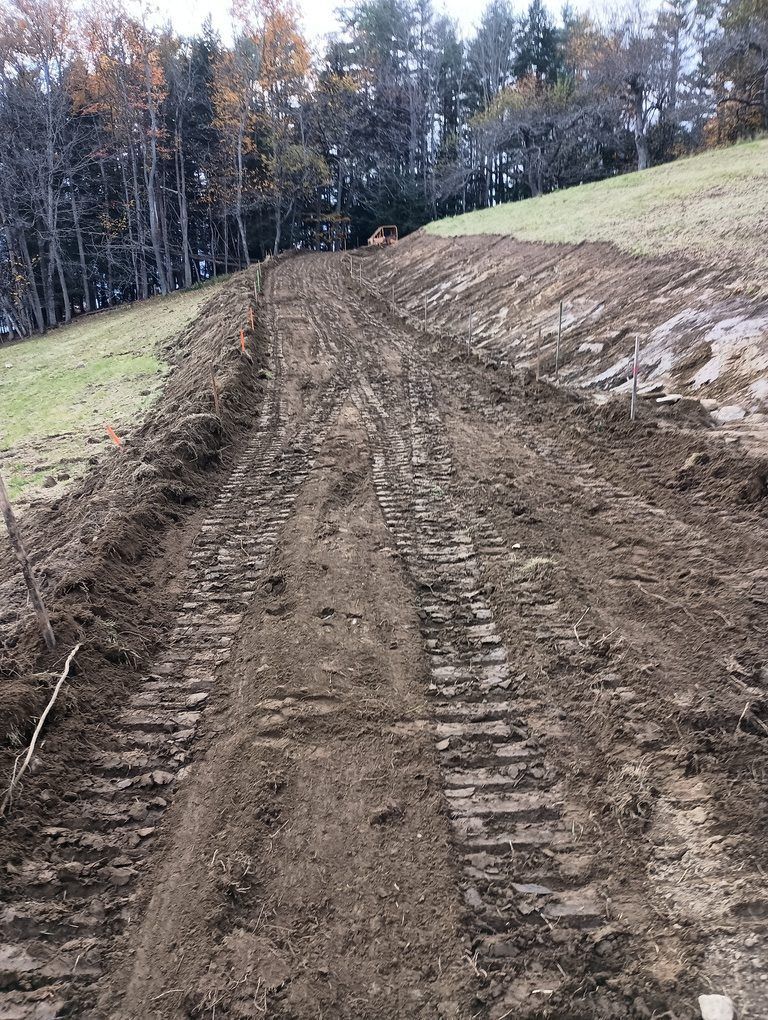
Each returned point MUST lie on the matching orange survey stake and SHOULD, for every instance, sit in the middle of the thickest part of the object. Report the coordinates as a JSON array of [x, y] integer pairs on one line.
[[242, 341], [114, 436]]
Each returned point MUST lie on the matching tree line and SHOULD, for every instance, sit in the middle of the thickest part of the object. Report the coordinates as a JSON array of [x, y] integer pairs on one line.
[[136, 160]]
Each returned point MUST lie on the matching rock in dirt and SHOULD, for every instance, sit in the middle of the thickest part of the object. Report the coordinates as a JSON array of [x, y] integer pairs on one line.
[[695, 459], [160, 778], [716, 1007], [118, 876]]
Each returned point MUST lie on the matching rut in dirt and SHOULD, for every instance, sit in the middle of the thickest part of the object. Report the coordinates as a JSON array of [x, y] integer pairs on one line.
[[529, 838]]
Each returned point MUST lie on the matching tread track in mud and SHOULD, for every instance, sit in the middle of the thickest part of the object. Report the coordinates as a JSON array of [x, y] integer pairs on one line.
[[505, 799], [81, 880], [502, 797]]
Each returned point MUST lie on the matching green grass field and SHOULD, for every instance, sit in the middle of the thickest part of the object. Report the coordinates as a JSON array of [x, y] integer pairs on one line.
[[58, 391], [712, 207]]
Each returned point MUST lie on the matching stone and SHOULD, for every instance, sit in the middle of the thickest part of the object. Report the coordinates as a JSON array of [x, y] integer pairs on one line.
[[716, 1007], [118, 876]]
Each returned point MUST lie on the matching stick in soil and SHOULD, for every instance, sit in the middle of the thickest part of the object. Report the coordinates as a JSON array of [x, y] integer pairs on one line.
[[538, 358], [26, 569], [635, 367], [40, 723]]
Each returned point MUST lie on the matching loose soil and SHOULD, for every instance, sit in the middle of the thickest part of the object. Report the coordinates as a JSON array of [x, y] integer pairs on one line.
[[447, 698]]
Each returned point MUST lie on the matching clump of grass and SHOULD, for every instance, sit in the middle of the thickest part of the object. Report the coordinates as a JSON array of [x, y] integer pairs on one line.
[[629, 792], [537, 568]]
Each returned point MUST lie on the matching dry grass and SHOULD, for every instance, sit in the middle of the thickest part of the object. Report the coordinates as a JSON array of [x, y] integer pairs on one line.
[[712, 207]]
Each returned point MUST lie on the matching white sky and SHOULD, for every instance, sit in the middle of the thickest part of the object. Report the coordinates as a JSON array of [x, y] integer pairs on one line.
[[318, 15]]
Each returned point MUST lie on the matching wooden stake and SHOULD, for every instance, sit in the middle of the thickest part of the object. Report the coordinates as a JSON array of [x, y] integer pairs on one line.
[[215, 388], [538, 358], [559, 335], [635, 369], [21, 555], [250, 316], [258, 279], [242, 342]]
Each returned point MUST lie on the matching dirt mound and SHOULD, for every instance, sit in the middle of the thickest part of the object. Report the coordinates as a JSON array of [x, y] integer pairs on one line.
[[94, 550], [700, 337]]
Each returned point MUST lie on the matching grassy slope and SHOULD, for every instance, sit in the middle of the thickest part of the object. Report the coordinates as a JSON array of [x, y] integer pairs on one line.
[[713, 207], [57, 391]]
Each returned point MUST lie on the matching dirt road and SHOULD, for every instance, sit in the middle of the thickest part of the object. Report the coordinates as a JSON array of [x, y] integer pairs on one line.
[[462, 714]]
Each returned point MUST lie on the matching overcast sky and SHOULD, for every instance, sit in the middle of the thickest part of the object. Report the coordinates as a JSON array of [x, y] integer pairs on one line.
[[318, 15]]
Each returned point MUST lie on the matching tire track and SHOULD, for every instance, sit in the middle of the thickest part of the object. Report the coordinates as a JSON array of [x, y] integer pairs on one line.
[[64, 905]]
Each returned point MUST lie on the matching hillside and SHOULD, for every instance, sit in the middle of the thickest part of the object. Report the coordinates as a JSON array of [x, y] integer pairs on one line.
[[711, 208], [58, 391], [674, 256]]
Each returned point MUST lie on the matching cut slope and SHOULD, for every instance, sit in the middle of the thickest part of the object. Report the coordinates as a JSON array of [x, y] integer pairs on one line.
[[58, 390], [711, 207]]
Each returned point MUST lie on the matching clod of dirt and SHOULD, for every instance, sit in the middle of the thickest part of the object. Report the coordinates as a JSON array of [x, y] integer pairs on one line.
[[389, 813], [275, 585]]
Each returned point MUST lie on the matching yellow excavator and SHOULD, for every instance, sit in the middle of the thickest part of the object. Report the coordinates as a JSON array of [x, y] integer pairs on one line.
[[383, 235]]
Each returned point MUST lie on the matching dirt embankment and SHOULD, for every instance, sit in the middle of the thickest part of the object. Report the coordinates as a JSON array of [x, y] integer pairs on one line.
[[700, 337], [459, 711], [102, 552]]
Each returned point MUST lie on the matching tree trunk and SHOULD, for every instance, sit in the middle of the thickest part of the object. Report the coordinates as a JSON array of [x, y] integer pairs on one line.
[[129, 224], [278, 223], [213, 240], [150, 180], [181, 187], [163, 212], [239, 199], [62, 282], [140, 228], [47, 268], [37, 307], [108, 245], [641, 141], [80, 250]]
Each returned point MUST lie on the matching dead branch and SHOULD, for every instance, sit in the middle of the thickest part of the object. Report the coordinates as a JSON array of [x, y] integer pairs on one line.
[[38, 729]]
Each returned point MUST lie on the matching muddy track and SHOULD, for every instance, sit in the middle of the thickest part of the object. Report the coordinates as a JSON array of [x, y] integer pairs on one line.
[[583, 827], [82, 875]]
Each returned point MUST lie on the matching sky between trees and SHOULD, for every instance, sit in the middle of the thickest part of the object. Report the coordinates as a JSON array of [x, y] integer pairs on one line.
[[138, 157]]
